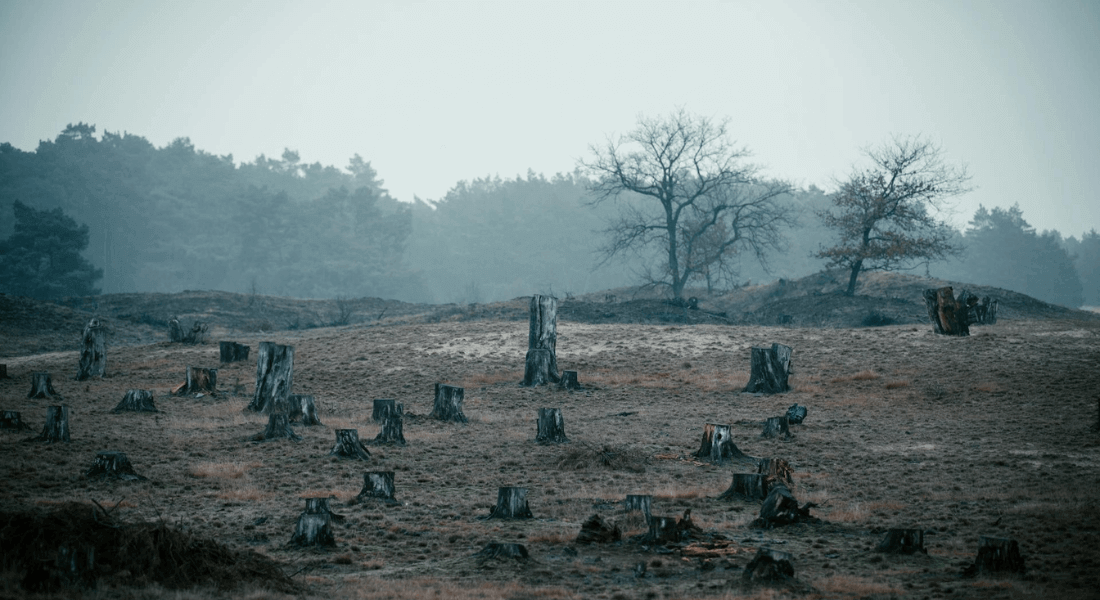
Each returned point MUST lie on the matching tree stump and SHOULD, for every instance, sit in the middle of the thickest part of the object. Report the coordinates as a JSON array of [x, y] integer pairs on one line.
[[781, 508], [3, 371], [274, 377], [393, 426], [448, 404], [13, 419], [775, 470], [770, 369], [717, 446], [569, 381], [796, 414], [113, 465], [381, 407], [179, 335], [769, 566], [638, 509], [502, 550], [41, 386], [511, 504], [748, 486], [199, 381], [902, 541], [278, 428], [378, 485], [232, 352], [314, 527], [541, 364], [662, 530], [93, 356], [550, 427], [776, 427], [948, 316], [996, 555], [349, 446], [136, 400], [597, 531], [302, 409], [57, 425]]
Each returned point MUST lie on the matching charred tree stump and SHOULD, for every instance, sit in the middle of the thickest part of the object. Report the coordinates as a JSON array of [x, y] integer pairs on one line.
[[776, 427], [569, 381], [550, 427], [41, 386], [748, 486], [382, 406], [495, 550], [717, 446], [541, 364], [57, 425], [769, 566], [773, 471], [597, 531], [199, 381], [996, 555], [136, 400], [511, 504], [274, 377], [378, 485], [93, 356], [314, 527], [393, 426], [349, 446], [448, 404], [302, 409], [232, 352], [13, 419], [796, 414], [902, 541], [770, 369], [948, 316], [113, 465]]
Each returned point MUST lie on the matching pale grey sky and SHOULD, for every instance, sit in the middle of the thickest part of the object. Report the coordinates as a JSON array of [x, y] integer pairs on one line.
[[435, 92]]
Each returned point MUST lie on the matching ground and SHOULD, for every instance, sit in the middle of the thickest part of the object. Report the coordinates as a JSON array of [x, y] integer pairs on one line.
[[988, 435]]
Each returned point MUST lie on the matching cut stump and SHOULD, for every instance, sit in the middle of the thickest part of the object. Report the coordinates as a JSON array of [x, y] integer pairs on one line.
[[717, 446], [948, 316], [13, 419], [57, 425], [230, 352], [569, 381], [770, 370], [769, 566], [796, 414], [775, 470], [381, 407], [137, 401], [274, 377], [550, 427], [496, 550], [42, 386], [597, 531], [349, 446], [199, 381], [178, 334], [541, 364], [113, 465], [511, 504], [448, 404], [747, 486], [314, 527], [302, 409], [776, 427], [378, 485], [902, 541], [781, 508], [997, 555], [638, 508], [93, 355], [278, 428], [393, 427]]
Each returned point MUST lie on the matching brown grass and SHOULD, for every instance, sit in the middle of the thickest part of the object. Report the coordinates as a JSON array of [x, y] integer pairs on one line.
[[477, 380], [864, 375], [897, 384], [850, 586], [222, 470]]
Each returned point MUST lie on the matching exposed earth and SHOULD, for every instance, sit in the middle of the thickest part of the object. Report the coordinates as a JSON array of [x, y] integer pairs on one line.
[[987, 435]]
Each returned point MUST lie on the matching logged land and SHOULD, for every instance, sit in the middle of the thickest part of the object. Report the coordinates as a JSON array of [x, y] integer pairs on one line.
[[987, 435]]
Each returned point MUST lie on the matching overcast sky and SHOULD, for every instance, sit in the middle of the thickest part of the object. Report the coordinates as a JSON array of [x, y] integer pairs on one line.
[[435, 92]]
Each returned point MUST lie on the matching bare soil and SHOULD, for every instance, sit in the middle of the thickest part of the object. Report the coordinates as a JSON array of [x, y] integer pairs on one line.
[[989, 435]]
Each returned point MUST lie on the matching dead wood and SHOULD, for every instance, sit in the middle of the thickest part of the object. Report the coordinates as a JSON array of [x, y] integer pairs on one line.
[[42, 386], [770, 370], [13, 420], [274, 378], [56, 428], [948, 316], [137, 401], [314, 526], [178, 334], [511, 504], [393, 426], [199, 381], [112, 465], [769, 566], [569, 381], [902, 541], [302, 409], [541, 363], [717, 445], [448, 404], [349, 446], [595, 530], [746, 486], [93, 354], [550, 427], [996, 555], [378, 485], [230, 352], [499, 550], [776, 427], [796, 414], [381, 407]]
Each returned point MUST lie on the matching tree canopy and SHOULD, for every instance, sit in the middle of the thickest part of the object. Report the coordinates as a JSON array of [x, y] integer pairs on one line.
[[42, 258]]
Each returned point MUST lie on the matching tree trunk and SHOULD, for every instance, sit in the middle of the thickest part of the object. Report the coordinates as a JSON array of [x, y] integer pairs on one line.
[[662, 530], [176, 332], [542, 340], [773, 471], [511, 504], [381, 407], [42, 386], [448, 404], [278, 428], [12, 419], [551, 427], [796, 414], [775, 427], [502, 550], [136, 400], [393, 426], [349, 446], [93, 357], [597, 531], [717, 446], [378, 485], [748, 486], [770, 369], [781, 508], [314, 527], [948, 316], [642, 503], [233, 352], [113, 465], [769, 566], [569, 381], [302, 407], [274, 377], [853, 275], [902, 541], [57, 425], [997, 555], [199, 381]]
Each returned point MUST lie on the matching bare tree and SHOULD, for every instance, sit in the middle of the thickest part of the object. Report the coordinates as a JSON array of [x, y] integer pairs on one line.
[[885, 213], [709, 207]]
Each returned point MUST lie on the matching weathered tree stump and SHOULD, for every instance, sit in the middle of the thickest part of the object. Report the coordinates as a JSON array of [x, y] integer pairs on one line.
[[232, 352], [41, 386], [717, 446], [113, 465], [93, 355], [381, 407], [748, 486], [569, 381], [495, 550], [987, 311], [781, 508], [274, 377], [57, 425], [3, 371], [541, 364], [769, 566], [314, 527], [996, 555], [796, 414], [349, 446], [597, 531], [278, 428], [642, 503], [550, 427], [902, 541], [378, 485], [179, 335], [302, 409], [13, 419], [775, 470], [448, 404], [199, 381], [770, 369], [511, 504], [670, 530], [948, 316], [776, 427], [136, 400], [393, 426]]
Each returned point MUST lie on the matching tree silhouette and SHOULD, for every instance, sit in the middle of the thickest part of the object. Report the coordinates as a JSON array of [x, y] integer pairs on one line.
[[42, 258]]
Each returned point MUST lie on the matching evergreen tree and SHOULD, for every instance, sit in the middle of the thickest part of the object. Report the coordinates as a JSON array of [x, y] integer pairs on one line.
[[42, 258]]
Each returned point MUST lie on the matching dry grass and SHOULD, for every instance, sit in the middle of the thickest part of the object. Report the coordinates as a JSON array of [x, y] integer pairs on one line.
[[853, 512], [376, 588], [706, 381], [988, 387], [222, 470], [850, 586], [478, 380], [250, 493], [864, 375], [897, 384], [583, 455]]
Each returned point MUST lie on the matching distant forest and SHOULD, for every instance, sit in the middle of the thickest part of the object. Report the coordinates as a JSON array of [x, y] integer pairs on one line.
[[176, 218]]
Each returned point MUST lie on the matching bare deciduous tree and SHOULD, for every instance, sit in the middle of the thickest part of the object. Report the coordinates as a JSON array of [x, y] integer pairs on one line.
[[884, 213], [709, 207]]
